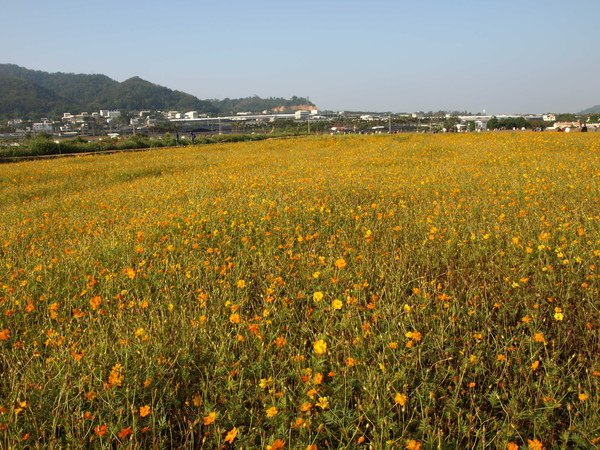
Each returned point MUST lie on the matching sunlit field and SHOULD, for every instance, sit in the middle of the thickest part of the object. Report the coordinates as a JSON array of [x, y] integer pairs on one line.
[[405, 291]]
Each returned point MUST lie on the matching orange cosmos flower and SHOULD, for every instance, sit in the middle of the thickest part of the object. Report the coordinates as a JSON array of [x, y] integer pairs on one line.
[[280, 342], [299, 422], [115, 378], [341, 263], [100, 430], [534, 444], [413, 445], [277, 445], [125, 432], [231, 434], [318, 378], [305, 407], [4, 334], [145, 410], [95, 302], [207, 420]]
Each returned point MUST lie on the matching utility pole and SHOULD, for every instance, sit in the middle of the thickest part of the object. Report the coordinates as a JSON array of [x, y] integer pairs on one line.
[[390, 124], [308, 121]]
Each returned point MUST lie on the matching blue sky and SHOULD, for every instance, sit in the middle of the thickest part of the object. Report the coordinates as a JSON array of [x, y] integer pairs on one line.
[[382, 55]]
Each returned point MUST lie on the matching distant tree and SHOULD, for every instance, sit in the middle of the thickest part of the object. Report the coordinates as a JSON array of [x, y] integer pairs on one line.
[[492, 124], [508, 124], [594, 118], [566, 117], [450, 123]]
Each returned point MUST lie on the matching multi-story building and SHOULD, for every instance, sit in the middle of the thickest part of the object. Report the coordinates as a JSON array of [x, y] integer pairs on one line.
[[110, 114], [45, 126]]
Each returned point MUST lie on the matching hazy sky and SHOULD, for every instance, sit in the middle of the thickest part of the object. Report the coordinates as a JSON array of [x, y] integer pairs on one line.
[[499, 55]]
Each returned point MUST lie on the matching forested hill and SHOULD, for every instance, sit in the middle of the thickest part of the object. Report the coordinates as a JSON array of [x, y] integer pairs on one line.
[[24, 91], [592, 110]]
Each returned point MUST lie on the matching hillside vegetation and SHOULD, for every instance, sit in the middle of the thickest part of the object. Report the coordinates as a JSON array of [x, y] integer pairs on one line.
[[414, 291], [24, 91], [592, 110]]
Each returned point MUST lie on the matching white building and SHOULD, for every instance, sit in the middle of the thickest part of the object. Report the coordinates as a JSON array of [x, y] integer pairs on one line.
[[191, 115], [549, 118], [367, 117], [301, 114], [42, 127], [112, 114]]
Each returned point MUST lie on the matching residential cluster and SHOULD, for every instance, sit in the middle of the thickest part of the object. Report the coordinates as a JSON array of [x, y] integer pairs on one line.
[[97, 123], [114, 122]]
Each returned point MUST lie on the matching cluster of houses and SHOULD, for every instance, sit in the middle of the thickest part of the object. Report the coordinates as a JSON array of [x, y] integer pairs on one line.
[[549, 120], [103, 121], [83, 123]]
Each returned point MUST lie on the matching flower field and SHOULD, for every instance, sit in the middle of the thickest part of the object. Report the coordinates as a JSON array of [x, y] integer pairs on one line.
[[404, 291]]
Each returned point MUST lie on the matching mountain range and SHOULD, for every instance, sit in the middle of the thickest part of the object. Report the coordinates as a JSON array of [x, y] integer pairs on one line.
[[33, 92]]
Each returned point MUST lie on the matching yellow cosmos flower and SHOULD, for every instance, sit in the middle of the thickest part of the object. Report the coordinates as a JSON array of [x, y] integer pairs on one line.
[[400, 399], [272, 411], [320, 347], [323, 402], [558, 314]]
